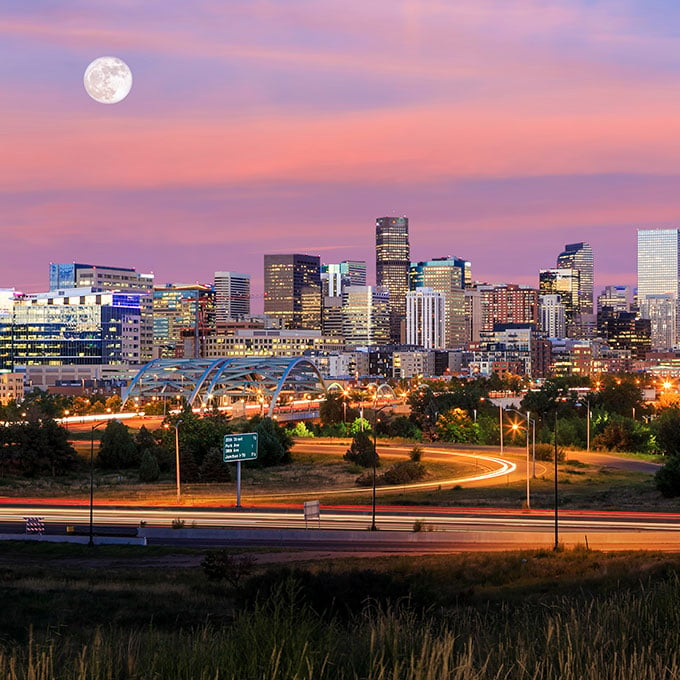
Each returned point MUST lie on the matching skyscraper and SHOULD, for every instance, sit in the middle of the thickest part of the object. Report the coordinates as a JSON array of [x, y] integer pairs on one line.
[[232, 296], [392, 260], [365, 316], [658, 270], [425, 318], [292, 290], [565, 283], [445, 275], [580, 256], [347, 273]]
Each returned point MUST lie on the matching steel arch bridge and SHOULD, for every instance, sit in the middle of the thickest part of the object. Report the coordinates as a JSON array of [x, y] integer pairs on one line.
[[226, 381]]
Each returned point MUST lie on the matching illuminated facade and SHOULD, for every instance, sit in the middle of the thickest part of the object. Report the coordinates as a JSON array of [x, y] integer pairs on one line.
[[334, 277], [72, 326], [425, 315], [658, 272], [80, 275], [392, 261], [565, 283], [579, 256], [365, 316], [507, 303], [181, 311], [292, 290], [445, 275], [552, 319], [269, 342]]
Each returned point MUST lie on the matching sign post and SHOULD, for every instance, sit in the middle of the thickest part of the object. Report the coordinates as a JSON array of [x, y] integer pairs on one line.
[[239, 447]]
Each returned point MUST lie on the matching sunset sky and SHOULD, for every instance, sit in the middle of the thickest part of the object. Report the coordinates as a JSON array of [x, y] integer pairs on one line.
[[503, 129]]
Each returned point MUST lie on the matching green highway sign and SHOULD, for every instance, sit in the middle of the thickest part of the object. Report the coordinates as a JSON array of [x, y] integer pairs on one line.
[[239, 447]]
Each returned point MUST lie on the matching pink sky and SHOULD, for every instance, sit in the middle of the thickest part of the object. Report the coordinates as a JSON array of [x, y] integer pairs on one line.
[[502, 129]]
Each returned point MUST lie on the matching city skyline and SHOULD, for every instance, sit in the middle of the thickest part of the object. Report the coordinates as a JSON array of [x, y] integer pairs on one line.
[[257, 128]]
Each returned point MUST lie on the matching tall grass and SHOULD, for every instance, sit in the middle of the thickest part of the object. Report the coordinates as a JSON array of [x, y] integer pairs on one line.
[[617, 636]]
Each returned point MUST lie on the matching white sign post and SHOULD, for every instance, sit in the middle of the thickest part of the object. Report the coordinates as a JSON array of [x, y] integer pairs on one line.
[[312, 511]]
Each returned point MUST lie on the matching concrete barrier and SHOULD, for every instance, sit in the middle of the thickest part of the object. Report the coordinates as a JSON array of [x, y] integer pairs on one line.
[[70, 538]]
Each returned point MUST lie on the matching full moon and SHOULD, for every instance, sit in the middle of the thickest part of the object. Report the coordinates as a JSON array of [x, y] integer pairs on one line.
[[108, 80]]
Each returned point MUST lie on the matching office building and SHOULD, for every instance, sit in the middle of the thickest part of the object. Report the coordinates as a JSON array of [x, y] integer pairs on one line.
[[70, 275], [334, 277], [292, 290], [392, 261], [552, 317], [446, 276], [182, 311], [617, 298], [232, 296], [425, 315], [77, 326], [365, 316], [658, 272], [579, 256], [565, 283]]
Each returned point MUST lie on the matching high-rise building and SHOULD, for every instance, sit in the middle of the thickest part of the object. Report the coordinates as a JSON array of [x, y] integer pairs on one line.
[[508, 303], [365, 316], [425, 315], [182, 311], [445, 275], [579, 256], [292, 290], [552, 319], [334, 277], [658, 272], [392, 260], [79, 275], [232, 296], [565, 283]]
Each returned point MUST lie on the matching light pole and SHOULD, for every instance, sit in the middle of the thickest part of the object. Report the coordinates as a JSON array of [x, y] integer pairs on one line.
[[500, 418], [375, 458], [515, 427], [179, 492], [94, 427], [557, 544]]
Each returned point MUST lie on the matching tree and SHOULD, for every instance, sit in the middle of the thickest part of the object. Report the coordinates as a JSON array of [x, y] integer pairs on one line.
[[117, 449], [456, 426], [362, 451], [148, 468], [214, 469], [273, 443], [622, 434]]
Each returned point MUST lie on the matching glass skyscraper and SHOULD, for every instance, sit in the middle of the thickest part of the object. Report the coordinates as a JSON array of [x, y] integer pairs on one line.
[[392, 260], [579, 256], [658, 269]]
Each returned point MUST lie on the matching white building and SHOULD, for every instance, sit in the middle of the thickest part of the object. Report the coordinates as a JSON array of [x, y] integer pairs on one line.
[[425, 318]]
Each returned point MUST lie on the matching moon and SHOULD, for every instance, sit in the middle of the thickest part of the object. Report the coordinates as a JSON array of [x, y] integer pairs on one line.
[[108, 80]]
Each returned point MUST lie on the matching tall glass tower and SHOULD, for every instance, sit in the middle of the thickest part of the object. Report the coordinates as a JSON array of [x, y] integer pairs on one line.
[[658, 266], [392, 260], [580, 256]]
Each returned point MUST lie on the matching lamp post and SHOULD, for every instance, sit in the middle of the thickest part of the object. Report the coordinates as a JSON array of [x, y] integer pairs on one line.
[[527, 417], [375, 458], [557, 544], [94, 427], [179, 492]]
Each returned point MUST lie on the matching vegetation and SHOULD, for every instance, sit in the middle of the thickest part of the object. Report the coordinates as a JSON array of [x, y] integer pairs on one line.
[[535, 614], [362, 451]]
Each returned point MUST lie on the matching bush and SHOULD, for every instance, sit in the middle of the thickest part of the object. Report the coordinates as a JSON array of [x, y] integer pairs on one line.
[[667, 479], [220, 565], [213, 468], [416, 453], [403, 472], [547, 452]]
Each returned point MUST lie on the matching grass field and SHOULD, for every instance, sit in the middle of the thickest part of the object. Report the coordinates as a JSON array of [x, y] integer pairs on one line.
[[133, 613]]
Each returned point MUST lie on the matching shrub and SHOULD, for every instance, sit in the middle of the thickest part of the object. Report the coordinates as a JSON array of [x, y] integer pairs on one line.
[[213, 468], [547, 452], [416, 453], [178, 523], [220, 565], [667, 479], [403, 472]]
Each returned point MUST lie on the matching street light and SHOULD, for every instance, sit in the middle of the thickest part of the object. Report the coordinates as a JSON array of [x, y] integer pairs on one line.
[[515, 427], [94, 427], [375, 457], [179, 492]]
